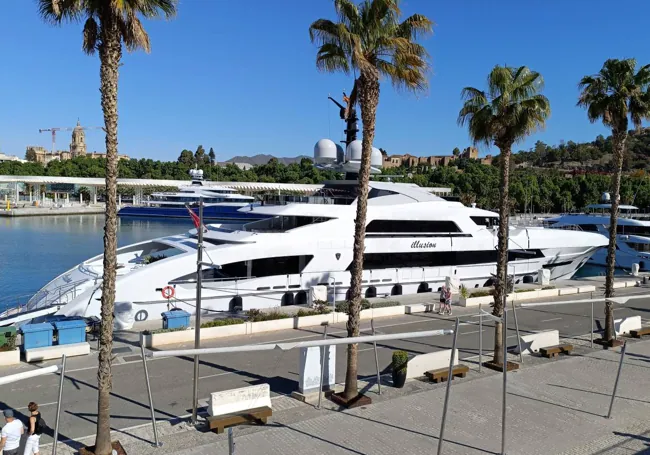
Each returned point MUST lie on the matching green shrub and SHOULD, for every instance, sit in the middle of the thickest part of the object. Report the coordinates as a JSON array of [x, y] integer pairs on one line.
[[400, 360], [343, 307], [10, 344], [222, 322], [153, 332], [464, 292], [544, 288], [519, 291], [150, 259], [481, 293], [259, 316]]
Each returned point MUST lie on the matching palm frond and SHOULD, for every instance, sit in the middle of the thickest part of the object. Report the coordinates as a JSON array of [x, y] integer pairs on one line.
[[91, 35], [370, 38], [57, 11], [133, 34]]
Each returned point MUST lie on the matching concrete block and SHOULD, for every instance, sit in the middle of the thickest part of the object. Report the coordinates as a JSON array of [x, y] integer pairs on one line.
[[476, 301], [545, 293], [422, 363], [382, 312], [623, 326], [417, 308], [527, 295], [308, 321], [586, 288], [10, 357], [568, 290], [236, 400], [533, 342], [270, 326], [619, 284], [310, 367], [340, 317], [56, 352]]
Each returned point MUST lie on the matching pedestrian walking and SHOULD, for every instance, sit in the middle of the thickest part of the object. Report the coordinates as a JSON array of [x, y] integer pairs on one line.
[[34, 430], [447, 306], [11, 433], [442, 299]]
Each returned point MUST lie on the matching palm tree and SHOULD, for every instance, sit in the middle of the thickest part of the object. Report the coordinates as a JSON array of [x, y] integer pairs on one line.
[[511, 109], [614, 94], [108, 24], [369, 38]]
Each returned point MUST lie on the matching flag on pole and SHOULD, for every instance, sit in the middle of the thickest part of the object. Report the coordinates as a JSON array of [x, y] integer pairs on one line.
[[195, 218]]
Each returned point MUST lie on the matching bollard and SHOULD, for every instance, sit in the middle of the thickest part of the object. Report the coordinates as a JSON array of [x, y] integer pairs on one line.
[[618, 376], [591, 326], [231, 441], [521, 353], [374, 345], [324, 349], [450, 377], [480, 339], [58, 407]]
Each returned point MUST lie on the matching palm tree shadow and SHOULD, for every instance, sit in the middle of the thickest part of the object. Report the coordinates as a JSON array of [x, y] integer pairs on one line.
[[555, 404]]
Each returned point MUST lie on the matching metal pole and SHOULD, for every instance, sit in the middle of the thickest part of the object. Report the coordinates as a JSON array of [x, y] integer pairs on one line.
[[323, 350], [58, 407], [450, 377], [480, 339], [197, 323], [618, 375], [521, 353], [231, 442], [151, 408], [591, 326], [505, 380], [374, 345]]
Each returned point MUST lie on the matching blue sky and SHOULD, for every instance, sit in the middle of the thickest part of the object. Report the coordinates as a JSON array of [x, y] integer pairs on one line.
[[240, 76]]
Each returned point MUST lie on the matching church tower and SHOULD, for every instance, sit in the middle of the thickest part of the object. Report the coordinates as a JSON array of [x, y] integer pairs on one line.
[[78, 144]]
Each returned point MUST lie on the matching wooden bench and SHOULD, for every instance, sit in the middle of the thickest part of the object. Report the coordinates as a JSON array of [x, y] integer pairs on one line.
[[639, 333], [554, 351], [257, 415], [441, 375]]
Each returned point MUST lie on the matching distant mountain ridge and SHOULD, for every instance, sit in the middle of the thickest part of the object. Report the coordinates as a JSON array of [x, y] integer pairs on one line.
[[257, 160]]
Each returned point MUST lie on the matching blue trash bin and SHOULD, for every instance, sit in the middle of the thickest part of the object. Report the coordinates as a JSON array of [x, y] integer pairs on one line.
[[71, 331], [37, 335], [175, 319]]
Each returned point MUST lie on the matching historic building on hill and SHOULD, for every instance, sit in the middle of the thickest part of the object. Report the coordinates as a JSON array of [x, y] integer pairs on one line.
[[410, 161], [77, 148]]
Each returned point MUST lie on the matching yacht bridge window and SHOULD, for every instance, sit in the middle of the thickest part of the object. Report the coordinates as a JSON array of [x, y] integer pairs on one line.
[[642, 247], [255, 268], [283, 223], [411, 228], [636, 230], [487, 221]]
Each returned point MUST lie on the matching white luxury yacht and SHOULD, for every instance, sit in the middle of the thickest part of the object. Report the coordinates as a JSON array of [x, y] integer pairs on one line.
[[632, 239], [414, 240]]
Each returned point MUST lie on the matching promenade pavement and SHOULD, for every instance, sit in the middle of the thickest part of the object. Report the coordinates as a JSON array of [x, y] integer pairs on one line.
[[554, 407]]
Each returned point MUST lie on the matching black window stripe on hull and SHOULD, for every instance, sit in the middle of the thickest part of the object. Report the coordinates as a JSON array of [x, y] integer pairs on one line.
[[440, 258]]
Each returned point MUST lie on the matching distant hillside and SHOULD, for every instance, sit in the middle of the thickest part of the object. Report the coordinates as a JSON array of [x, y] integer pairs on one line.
[[588, 156], [256, 160]]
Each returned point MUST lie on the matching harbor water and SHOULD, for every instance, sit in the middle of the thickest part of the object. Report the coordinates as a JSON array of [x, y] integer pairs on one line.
[[34, 250]]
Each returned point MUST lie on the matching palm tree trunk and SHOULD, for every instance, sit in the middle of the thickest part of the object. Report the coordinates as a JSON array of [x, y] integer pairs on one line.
[[500, 288], [110, 52], [618, 145], [368, 85]]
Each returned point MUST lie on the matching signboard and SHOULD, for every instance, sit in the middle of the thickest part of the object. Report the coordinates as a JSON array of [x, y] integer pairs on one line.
[[61, 187]]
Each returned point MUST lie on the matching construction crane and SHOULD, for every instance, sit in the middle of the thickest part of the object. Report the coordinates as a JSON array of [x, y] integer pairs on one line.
[[55, 129]]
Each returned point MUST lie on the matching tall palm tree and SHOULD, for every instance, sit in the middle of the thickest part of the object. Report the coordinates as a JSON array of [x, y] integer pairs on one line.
[[108, 24], [616, 93], [369, 38], [511, 109]]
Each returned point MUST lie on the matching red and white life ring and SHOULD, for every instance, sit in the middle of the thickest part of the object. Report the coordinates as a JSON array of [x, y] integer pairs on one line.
[[168, 292]]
